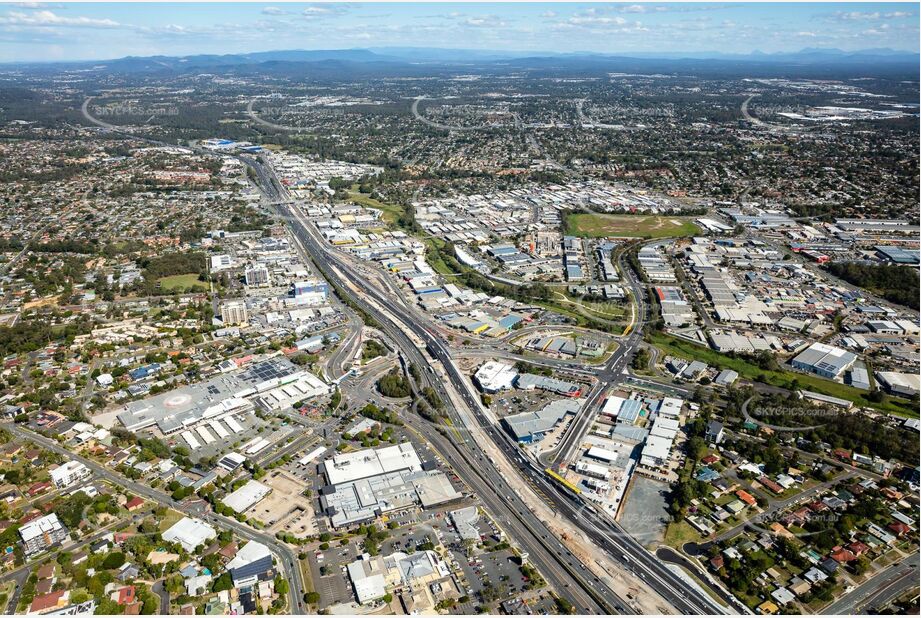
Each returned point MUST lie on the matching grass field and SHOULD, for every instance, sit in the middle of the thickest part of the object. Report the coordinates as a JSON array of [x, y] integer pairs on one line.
[[169, 519], [784, 379], [679, 533], [182, 282], [595, 225], [391, 212]]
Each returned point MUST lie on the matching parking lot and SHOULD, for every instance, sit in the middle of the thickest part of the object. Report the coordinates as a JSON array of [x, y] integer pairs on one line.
[[334, 587]]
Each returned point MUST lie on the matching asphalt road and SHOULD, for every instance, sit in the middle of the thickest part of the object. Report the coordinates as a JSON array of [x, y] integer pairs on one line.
[[880, 590], [674, 589], [286, 557], [607, 534], [562, 570]]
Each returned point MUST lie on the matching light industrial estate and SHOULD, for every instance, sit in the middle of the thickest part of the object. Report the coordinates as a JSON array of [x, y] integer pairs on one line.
[[406, 330]]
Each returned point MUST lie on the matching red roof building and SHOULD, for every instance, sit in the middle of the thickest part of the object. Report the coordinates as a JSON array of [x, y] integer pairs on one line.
[[771, 485], [899, 529], [858, 548], [46, 602], [842, 556], [746, 497]]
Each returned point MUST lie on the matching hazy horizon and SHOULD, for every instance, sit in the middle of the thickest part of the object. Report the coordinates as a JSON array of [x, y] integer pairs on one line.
[[49, 32]]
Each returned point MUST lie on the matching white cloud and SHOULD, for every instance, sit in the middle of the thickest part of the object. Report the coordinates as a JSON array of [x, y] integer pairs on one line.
[[596, 20], [44, 19], [274, 10], [36, 5], [874, 16], [641, 8], [484, 21], [324, 10]]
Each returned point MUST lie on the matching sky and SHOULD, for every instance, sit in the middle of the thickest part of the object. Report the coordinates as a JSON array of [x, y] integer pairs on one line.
[[36, 31]]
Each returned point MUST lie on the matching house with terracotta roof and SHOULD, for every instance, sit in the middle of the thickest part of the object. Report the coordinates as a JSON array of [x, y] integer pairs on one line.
[[45, 603], [892, 493], [899, 529], [134, 504], [842, 556], [229, 551], [125, 595], [746, 497], [771, 485], [778, 529], [38, 488], [858, 548], [818, 507]]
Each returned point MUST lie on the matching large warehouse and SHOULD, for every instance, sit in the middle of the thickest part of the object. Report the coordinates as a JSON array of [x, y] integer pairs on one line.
[[824, 360], [531, 427], [494, 376], [270, 383], [365, 484]]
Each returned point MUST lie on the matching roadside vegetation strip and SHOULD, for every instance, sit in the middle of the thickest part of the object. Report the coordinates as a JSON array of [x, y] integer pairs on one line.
[[784, 379], [600, 225]]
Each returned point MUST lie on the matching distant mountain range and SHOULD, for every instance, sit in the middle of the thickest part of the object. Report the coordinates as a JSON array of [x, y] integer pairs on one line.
[[807, 55], [411, 60]]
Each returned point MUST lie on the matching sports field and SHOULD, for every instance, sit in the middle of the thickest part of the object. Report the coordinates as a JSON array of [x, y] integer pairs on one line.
[[596, 225], [187, 282]]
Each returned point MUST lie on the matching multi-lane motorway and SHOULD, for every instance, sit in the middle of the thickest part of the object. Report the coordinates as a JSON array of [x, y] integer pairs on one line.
[[563, 570], [605, 534]]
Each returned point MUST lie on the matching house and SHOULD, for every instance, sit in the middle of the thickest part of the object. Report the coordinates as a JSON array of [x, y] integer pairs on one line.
[[38, 488], [778, 529], [767, 608], [799, 587], [746, 497], [128, 571], [858, 548], [46, 603], [197, 585], [843, 556], [101, 545], [46, 571], [783, 596], [815, 576], [899, 529], [715, 432], [892, 494], [771, 485], [126, 595], [829, 565]]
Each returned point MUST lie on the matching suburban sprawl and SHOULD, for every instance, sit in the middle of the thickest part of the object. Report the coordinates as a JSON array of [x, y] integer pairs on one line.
[[456, 339]]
